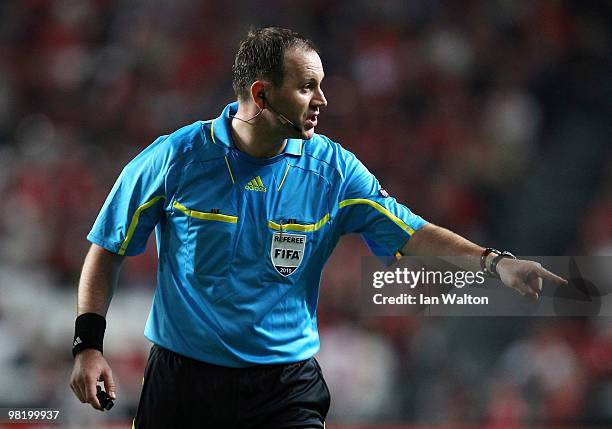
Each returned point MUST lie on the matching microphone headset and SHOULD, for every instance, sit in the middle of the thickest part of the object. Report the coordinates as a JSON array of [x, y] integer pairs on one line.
[[281, 117]]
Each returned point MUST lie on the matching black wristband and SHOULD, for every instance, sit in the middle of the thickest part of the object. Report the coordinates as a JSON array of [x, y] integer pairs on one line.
[[88, 332]]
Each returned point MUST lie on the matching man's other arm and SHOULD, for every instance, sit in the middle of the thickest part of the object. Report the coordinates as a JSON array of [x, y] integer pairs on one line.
[[96, 287]]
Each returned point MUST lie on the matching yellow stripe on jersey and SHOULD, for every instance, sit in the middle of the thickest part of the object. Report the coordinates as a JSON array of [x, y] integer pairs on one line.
[[230, 170], [284, 177], [134, 222], [381, 209], [212, 131], [205, 216], [299, 227]]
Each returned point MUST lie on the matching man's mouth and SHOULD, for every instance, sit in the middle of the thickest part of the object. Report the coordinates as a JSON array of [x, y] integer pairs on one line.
[[311, 121]]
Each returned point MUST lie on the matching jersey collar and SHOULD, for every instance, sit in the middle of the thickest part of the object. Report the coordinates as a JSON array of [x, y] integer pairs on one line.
[[221, 134]]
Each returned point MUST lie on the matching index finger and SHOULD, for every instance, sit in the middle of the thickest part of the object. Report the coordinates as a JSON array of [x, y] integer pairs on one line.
[[92, 397], [547, 275]]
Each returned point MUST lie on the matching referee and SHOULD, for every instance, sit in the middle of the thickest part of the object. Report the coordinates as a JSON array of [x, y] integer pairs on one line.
[[246, 209]]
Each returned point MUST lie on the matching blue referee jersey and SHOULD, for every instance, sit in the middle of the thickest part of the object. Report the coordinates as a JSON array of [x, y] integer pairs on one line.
[[242, 241]]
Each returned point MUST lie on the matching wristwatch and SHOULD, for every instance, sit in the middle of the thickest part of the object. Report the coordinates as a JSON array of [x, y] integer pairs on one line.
[[491, 270]]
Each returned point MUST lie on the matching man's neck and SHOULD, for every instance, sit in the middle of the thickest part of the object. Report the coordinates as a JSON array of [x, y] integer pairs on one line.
[[253, 138]]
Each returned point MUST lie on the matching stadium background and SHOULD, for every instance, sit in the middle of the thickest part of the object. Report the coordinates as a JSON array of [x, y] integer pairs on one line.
[[491, 118]]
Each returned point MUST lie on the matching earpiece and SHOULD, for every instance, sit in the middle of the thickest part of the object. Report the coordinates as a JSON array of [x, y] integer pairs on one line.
[[261, 95], [280, 116]]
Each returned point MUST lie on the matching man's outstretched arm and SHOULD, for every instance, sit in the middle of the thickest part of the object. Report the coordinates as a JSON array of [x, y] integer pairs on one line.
[[96, 286], [524, 276]]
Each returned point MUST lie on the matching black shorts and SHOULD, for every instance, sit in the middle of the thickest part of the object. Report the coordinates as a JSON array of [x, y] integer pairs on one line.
[[179, 392]]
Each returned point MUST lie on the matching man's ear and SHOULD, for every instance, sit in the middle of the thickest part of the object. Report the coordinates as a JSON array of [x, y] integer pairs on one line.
[[258, 94]]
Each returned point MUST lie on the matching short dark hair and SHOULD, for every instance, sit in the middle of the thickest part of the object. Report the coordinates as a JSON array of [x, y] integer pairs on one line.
[[261, 56]]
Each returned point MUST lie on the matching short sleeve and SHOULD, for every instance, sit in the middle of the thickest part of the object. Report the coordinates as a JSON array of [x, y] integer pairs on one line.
[[366, 208], [135, 203]]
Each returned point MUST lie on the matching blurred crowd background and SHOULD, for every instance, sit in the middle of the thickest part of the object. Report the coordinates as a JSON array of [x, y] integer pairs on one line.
[[492, 118]]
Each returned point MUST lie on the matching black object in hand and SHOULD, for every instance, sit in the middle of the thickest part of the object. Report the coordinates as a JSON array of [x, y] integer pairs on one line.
[[105, 400]]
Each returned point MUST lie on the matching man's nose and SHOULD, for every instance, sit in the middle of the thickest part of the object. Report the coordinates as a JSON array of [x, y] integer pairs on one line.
[[320, 98]]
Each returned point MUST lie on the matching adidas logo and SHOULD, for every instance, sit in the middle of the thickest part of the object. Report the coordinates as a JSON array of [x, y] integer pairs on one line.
[[77, 341], [255, 185]]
